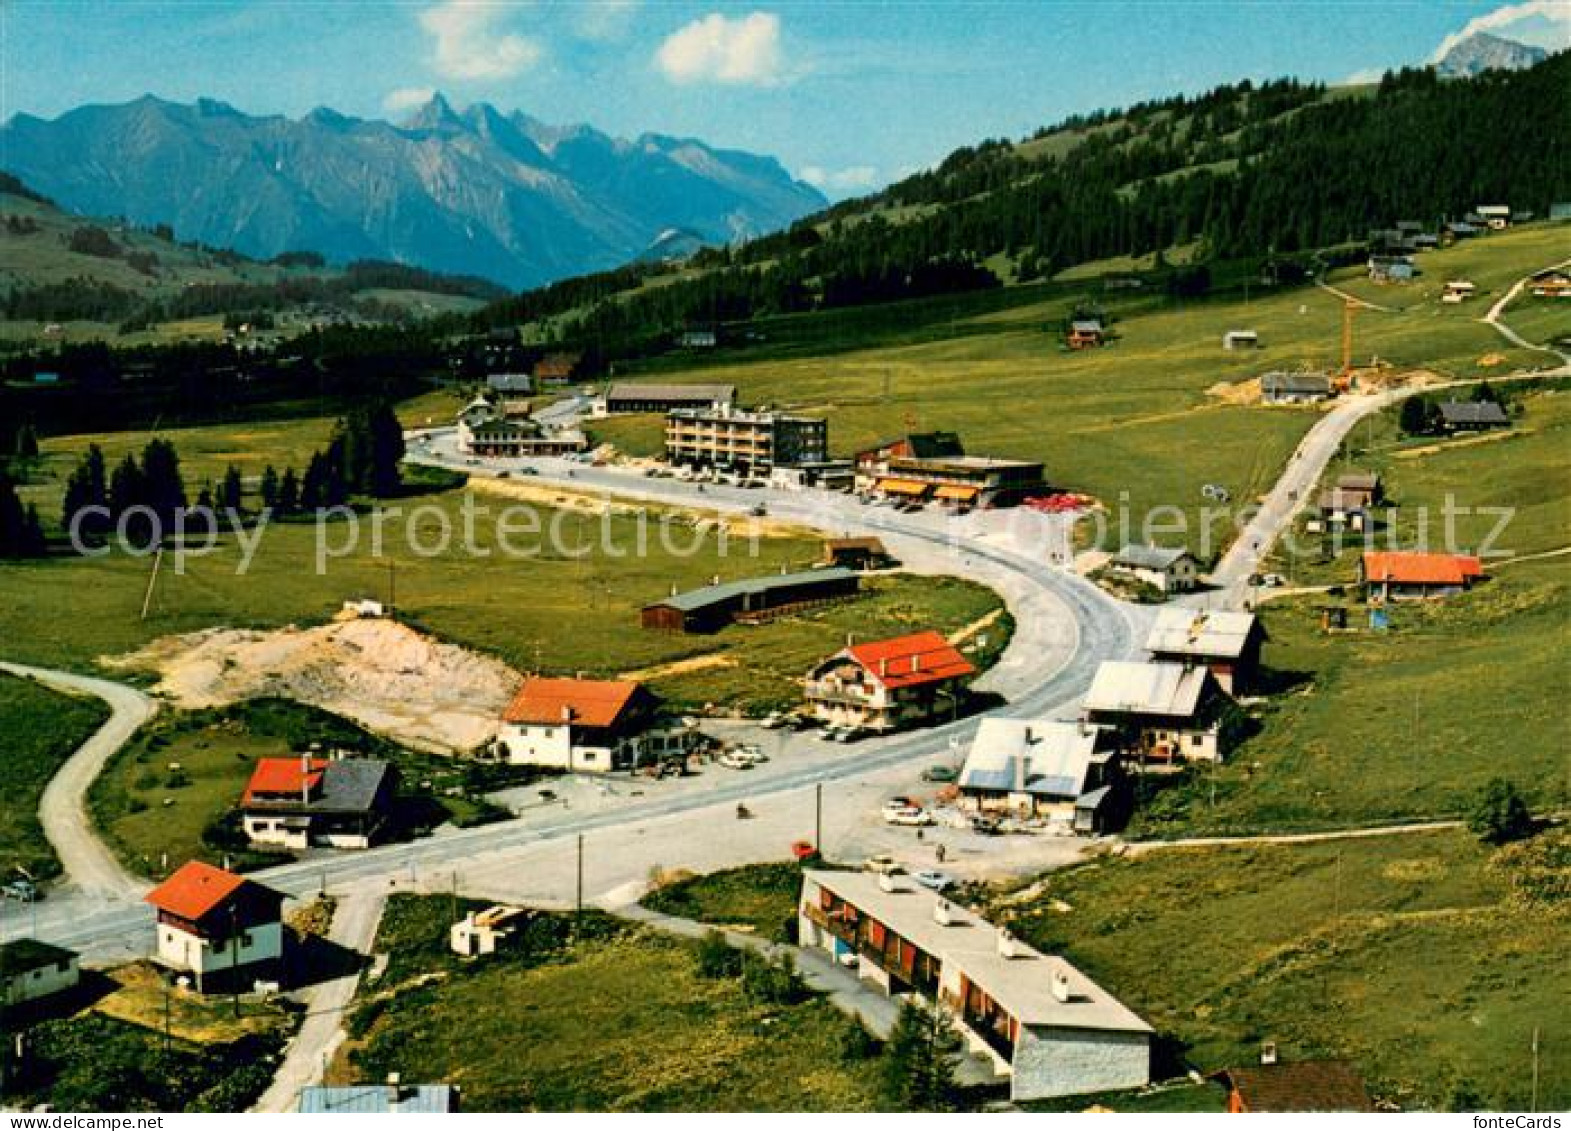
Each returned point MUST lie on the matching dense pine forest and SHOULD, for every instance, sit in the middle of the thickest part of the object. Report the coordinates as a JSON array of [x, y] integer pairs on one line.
[[1276, 170]]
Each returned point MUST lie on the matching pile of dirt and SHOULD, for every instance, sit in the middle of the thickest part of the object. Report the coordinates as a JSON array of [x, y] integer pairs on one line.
[[384, 675], [1241, 392]]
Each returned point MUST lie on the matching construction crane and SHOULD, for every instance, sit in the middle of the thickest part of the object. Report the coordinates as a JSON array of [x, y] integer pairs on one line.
[[1344, 377]]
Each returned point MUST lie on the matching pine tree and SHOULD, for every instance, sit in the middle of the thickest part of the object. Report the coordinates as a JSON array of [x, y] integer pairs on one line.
[[127, 487], [161, 477], [269, 487], [86, 488], [920, 1059], [289, 492], [232, 494]]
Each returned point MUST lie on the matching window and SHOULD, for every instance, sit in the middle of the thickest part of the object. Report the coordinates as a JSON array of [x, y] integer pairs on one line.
[[1197, 740]]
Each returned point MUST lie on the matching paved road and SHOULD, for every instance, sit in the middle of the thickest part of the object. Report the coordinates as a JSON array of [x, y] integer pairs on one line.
[[354, 927], [90, 868]]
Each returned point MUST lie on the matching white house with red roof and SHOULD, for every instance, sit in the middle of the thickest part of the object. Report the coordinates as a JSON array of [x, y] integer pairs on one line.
[[221, 929], [578, 725], [299, 802], [886, 684]]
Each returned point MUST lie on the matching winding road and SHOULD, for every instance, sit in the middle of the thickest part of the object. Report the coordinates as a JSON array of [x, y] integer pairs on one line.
[[91, 870]]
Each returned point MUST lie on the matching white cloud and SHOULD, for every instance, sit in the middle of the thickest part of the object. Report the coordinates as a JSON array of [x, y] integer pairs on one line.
[[606, 19], [406, 98], [1556, 14], [744, 51], [468, 44], [841, 182]]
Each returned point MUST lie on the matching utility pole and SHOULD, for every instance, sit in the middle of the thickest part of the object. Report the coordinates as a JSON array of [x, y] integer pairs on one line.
[[392, 586], [1533, 1106], [578, 890], [234, 967], [147, 598], [818, 818]]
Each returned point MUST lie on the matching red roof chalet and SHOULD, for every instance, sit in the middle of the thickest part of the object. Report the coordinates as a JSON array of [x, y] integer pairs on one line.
[[197, 892], [908, 661], [1413, 568], [284, 777], [581, 702]]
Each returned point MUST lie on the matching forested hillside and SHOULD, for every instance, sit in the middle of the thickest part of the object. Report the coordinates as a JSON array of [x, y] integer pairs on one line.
[[1271, 171]]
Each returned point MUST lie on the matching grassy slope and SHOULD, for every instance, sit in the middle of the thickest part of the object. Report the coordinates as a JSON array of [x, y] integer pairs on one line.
[[1411, 955], [618, 1023], [1132, 418], [41, 729]]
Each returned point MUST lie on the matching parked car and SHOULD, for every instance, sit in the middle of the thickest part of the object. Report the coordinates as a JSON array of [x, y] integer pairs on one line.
[[734, 761], [759, 511], [941, 774], [23, 891], [773, 721], [803, 850], [884, 864], [987, 826], [846, 734], [752, 752], [529, 471], [896, 804], [912, 817], [931, 878]]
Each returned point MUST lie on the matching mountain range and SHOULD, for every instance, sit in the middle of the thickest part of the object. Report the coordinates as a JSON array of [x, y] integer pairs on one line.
[[1482, 52], [502, 196]]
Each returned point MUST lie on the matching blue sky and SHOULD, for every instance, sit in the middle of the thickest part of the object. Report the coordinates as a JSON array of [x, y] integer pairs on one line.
[[847, 94]]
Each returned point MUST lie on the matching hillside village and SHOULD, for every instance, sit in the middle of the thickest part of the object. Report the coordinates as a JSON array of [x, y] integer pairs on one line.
[[896, 752]]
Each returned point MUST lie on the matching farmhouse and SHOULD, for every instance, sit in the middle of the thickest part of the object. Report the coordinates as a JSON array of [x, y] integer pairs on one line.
[[510, 383], [1343, 508], [1554, 282], [1240, 340], [1164, 712], [1362, 487], [32, 970], [1458, 290], [750, 442], [1306, 1086], [392, 1098], [698, 340], [579, 725], [1085, 333], [556, 369], [1227, 642], [486, 430], [872, 464], [1037, 1019], [1472, 416], [1172, 570], [715, 606], [886, 684], [1392, 575], [1065, 772], [626, 397], [1496, 216], [857, 553], [301, 802], [221, 929], [962, 483], [1391, 268], [1455, 230], [1294, 388]]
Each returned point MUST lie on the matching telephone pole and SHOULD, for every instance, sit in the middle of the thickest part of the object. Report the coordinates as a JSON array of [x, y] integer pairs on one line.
[[578, 891], [818, 818]]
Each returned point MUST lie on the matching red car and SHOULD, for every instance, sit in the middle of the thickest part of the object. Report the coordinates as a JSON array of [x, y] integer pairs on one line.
[[804, 850]]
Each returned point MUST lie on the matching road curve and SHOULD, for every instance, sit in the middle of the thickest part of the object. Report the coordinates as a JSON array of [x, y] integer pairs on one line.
[[89, 866]]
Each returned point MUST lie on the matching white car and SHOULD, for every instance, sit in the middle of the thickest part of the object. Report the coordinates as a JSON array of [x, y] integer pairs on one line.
[[914, 817], [734, 761], [883, 864], [752, 752]]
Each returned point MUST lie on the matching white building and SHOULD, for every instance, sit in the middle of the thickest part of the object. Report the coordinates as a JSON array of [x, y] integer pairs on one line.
[[588, 726], [222, 930], [1038, 1019], [1062, 772], [1162, 712], [32, 970], [1172, 570]]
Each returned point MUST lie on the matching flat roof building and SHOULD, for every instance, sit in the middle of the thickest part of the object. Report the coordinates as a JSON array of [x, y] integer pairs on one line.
[[1039, 1020], [750, 442]]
